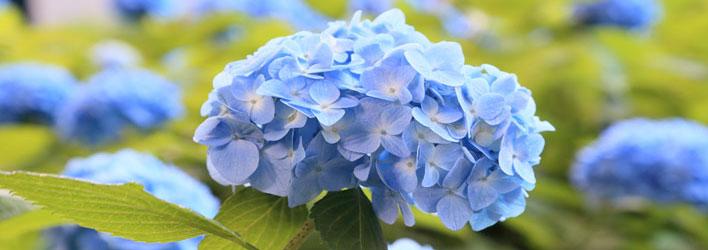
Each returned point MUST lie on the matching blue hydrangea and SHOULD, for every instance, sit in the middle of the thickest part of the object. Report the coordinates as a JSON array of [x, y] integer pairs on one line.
[[660, 160], [375, 104], [114, 99], [628, 14], [32, 92], [407, 244], [159, 9], [115, 54], [165, 181], [295, 12]]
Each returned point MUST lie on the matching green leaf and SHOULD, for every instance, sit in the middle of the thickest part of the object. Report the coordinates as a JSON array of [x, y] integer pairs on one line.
[[263, 220], [28, 222], [346, 220], [124, 210]]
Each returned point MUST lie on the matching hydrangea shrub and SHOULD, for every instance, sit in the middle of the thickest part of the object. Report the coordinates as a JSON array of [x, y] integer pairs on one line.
[[375, 104], [117, 98], [162, 180], [33, 92], [659, 160]]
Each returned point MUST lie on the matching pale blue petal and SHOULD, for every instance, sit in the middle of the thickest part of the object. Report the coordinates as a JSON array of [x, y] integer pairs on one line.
[[481, 195], [427, 199], [395, 145], [454, 211], [224, 161], [213, 132], [324, 93]]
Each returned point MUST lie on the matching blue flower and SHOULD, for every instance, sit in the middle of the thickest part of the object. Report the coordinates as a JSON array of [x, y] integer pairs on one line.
[[375, 104], [378, 124], [436, 161], [657, 160], [389, 80], [229, 138], [442, 63], [241, 97], [407, 244], [628, 14], [164, 181], [160, 9], [115, 98], [322, 169], [449, 199], [32, 92]]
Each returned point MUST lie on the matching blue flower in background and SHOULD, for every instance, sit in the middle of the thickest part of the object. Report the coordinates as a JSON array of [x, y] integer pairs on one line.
[[375, 104], [115, 54], [115, 98], [658, 160], [628, 14], [33, 92], [162, 180], [407, 244], [370, 6]]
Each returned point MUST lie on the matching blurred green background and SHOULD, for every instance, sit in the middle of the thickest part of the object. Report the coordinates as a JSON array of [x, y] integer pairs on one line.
[[664, 73]]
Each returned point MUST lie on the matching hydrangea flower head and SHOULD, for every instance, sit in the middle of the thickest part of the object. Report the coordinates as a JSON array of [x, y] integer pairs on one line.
[[375, 104], [159, 179], [33, 92], [628, 14], [659, 160], [115, 98]]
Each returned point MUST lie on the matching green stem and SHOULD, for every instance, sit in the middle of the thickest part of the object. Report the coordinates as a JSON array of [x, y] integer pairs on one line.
[[305, 230]]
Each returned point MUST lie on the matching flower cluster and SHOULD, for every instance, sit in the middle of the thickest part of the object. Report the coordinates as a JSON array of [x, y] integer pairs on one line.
[[659, 160], [32, 92], [375, 104], [164, 181], [114, 99], [628, 14]]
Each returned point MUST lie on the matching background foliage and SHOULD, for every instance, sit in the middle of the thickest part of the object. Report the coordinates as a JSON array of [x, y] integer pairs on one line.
[[666, 72]]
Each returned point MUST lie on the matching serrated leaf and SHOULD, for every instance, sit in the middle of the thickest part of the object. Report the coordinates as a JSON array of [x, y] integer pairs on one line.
[[346, 220], [124, 210], [28, 222], [263, 220]]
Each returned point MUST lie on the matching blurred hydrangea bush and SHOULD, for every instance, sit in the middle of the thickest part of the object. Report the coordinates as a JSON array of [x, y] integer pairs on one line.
[[33, 92], [375, 104], [658, 160], [164, 181], [114, 99]]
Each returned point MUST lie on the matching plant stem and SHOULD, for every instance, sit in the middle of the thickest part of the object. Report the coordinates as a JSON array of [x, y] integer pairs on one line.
[[299, 238]]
